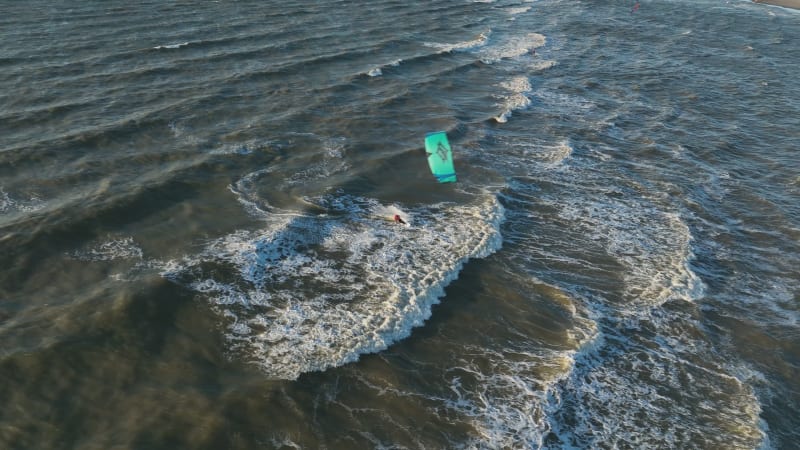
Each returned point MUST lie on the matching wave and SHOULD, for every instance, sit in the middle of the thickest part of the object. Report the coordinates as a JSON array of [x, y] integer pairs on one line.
[[515, 11], [171, 46], [12, 204], [480, 40], [503, 392], [650, 360], [565, 103], [652, 246], [517, 98], [311, 292], [314, 170], [530, 157], [518, 87], [378, 71], [625, 385], [489, 51], [511, 47]]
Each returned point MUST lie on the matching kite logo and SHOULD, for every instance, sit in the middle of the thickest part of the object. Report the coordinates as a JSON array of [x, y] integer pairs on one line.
[[441, 151]]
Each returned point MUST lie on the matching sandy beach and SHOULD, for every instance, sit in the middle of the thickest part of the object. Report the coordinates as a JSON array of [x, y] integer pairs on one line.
[[785, 3]]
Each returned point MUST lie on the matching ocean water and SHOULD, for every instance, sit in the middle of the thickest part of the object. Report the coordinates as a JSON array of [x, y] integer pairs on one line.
[[196, 248]]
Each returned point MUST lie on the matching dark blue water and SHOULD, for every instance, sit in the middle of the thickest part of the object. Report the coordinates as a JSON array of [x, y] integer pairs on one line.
[[196, 245]]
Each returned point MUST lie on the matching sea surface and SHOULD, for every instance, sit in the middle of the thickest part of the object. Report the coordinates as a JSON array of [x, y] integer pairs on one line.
[[197, 252]]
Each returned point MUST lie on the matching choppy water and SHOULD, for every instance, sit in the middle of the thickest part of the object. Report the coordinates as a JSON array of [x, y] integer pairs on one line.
[[195, 248]]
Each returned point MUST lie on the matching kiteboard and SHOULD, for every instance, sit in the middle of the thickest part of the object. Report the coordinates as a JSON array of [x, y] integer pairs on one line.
[[440, 157]]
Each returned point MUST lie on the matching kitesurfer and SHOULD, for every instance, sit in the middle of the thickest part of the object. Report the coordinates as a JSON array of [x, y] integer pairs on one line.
[[399, 219]]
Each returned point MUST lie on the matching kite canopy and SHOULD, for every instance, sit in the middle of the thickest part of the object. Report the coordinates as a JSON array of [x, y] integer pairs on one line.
[[440, 157]]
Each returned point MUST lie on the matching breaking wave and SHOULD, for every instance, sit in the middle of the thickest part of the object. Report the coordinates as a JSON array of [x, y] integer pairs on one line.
[[310, 292]]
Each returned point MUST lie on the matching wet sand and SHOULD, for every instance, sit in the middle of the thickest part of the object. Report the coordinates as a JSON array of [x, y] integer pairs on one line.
[[785, 3]]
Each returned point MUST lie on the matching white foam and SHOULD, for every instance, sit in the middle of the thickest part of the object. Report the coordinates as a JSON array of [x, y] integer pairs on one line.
[[378, 71], [653, 246], [538, 65], [628, 375], [171, 46], [320, 165], [516, 99], [283, 440], [619, 392], [511, 47], [501, 389], [526, 156], [506, 410], [9, 204], [176, 129], [507, 400], [556, 154], [113, 249], [307, 293], [515, 11], [569, 104], [767, 304], [246, 147], [332, 161], [647, 367], [244, 189], [479, 41]]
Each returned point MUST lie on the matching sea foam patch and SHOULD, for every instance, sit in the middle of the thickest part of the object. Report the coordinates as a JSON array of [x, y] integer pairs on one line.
[[329, 160], [171, 46], [511, 47], [565, 103], [648, 364], [378, 71], [515, 98], [307, 293], [533, 155], [12, 203], [506, 408], [109, 250], [515, 11], [652, 245], [287, 185], [505, 394], [626, 386], [479, 41], [764, 302]]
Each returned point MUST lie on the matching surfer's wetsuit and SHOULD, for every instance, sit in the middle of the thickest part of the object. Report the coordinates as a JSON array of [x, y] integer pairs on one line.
[[398, 219]]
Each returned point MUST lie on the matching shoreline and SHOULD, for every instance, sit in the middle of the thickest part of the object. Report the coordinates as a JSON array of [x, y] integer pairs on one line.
[[794, 4]]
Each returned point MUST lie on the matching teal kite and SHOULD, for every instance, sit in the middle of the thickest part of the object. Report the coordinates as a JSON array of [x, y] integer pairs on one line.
[[440, 157]]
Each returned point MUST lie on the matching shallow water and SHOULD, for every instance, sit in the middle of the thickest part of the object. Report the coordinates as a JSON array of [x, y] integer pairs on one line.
[[197, 251]]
